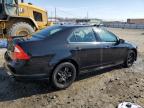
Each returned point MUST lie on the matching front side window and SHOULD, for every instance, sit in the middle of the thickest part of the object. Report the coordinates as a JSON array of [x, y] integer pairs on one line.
[[37, 16], [82, 35], [107, 36]]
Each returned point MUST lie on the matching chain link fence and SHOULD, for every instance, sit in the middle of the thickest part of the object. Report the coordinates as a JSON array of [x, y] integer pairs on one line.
[[128, 26]]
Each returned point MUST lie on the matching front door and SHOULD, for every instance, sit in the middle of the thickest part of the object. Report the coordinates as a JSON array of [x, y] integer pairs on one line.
[[112, 51]]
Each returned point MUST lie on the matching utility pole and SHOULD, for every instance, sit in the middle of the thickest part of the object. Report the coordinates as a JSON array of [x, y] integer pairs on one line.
[[51, 16], [87, 14], [87, 17], [55, 14]]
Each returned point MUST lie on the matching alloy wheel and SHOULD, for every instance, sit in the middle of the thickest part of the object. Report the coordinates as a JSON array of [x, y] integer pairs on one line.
[[131, 59]]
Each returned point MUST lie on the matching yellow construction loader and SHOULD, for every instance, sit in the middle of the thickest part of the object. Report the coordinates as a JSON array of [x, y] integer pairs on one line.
[[18, 18]]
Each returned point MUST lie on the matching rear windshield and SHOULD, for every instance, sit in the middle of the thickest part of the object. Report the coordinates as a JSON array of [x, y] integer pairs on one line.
[[47, 32]]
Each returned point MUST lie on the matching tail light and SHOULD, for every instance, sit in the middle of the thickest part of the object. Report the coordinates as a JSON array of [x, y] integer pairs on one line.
[[19, 54]]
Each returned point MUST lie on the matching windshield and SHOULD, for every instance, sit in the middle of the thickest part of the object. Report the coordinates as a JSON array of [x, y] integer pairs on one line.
[[47, 32]]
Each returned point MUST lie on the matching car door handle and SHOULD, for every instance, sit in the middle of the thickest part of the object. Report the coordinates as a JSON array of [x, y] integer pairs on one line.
[[78, 48], [108, 46]]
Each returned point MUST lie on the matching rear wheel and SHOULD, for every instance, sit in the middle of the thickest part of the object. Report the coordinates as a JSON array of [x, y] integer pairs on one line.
[[64, 75], [20, 29], [130, 59]]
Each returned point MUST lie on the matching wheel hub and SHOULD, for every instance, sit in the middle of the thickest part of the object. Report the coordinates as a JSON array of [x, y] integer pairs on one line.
[[22, 33], [64, 75], [131, 59]]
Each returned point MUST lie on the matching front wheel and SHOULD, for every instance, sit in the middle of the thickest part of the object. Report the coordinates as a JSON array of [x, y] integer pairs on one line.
[[63, 75], [130, 59]]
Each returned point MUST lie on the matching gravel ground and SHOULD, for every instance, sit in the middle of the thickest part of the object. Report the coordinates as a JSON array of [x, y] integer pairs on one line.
[[102, 89]]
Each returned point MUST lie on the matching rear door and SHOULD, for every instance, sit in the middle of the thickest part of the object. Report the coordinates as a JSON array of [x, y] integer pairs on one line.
[[112, 51], [88, 49]]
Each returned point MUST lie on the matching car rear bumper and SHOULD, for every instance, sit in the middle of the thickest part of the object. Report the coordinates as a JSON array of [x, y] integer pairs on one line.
[[25, 77], [23, 70]]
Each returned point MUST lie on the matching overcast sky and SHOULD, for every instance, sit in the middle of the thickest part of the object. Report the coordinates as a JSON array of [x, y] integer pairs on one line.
[[103, 9]]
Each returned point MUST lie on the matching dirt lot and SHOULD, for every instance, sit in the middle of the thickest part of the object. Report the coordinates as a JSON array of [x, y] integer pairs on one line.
[[102, 89]]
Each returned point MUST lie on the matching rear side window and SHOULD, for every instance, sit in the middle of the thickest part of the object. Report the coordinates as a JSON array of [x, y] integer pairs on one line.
[[47, 32], [106, 36], [37, 16], [82, 35]]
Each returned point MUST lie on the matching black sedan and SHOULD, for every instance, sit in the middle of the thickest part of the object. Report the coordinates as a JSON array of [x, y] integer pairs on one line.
[[61, 53]]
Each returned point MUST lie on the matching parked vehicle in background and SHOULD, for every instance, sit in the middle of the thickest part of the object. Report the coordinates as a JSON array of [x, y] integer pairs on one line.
[[3, 43], [61, 53]]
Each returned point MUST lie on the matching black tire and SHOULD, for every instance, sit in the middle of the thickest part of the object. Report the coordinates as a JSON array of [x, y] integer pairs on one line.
[[20, 29], [130, 59], [63, 75]]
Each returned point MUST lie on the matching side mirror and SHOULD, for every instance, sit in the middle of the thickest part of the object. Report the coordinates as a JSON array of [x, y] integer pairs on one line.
[[121, 41]]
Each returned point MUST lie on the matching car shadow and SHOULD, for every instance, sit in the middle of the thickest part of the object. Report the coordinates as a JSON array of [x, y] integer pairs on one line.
[[11, 90]]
